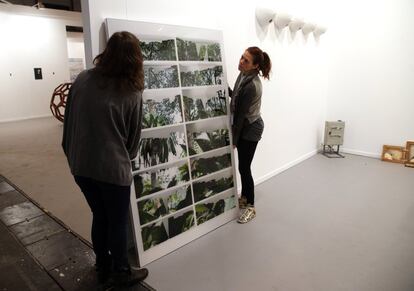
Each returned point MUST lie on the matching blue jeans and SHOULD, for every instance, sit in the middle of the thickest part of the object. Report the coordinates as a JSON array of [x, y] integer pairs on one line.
[[110, 208]]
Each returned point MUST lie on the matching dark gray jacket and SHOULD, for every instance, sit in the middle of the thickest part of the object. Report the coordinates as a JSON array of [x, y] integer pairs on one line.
[[102, 129], [245, 108]]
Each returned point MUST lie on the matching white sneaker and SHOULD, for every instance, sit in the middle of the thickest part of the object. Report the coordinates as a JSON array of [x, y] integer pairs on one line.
[[248, 214]]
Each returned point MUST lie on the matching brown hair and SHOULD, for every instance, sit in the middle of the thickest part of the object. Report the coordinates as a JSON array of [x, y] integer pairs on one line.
[[262, 59], [122, 61]]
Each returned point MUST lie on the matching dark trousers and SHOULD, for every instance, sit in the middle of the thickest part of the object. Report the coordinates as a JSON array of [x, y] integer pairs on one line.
[[245, 151], [110, 208]]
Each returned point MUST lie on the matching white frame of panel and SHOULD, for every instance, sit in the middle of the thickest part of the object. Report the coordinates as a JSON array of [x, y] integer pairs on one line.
[[147, 29]]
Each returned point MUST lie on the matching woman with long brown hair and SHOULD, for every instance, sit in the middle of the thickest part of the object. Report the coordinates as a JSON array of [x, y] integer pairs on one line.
[[101, 133], [247, 124]]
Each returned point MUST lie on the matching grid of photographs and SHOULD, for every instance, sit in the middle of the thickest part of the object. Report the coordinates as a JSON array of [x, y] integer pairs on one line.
[[183, 151]]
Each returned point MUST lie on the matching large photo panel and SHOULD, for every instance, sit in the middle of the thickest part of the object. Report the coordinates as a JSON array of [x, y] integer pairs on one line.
[[183, 176]]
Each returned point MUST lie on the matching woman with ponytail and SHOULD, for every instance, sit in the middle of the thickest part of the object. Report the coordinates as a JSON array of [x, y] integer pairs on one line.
[[247, 124]]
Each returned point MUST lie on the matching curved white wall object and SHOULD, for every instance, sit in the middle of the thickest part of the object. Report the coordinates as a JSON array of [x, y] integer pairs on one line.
[[307, 28], [281, 20], [264, 16], [296, 24], [318, 31]]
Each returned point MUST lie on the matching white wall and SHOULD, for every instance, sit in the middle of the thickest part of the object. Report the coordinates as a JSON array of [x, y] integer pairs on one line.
[[294, 100], [31, 38], [371, 73]]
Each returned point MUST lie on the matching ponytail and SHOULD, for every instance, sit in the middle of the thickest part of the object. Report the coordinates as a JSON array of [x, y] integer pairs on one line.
[[266, 66], [262, 59]]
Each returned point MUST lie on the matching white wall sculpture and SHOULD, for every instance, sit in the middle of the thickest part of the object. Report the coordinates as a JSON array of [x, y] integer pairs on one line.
[[296, 24], [308, 28], [264, 16], [318, 31], [281, 20]]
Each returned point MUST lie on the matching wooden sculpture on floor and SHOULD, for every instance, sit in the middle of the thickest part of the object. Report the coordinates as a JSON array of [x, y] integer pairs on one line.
[[58, 101]]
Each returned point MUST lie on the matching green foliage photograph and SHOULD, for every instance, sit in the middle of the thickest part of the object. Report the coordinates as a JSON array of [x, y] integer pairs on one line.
[[180, 224], [202, 108], [157, 233], [198, 51], [149, 182], [153, 235], [201, 77], [156, 77], [163, 50], [205, 189], [154, 150], [152, 209], [200, 142], [207, 211], [160, 113], [204, 166]]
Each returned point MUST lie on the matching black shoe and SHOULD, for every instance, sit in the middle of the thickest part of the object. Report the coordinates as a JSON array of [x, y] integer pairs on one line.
[[103, 274], [128, 277]]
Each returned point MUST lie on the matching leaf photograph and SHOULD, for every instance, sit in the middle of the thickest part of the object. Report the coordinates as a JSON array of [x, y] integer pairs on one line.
[[204, 166], [154, 208], [153, 181], [206, 189], [204, 141], [202, 104], [158, 50], [161, 231], [180, 223], [157, 76], [160, 110], [198, 51], [159, 150], [213, 52], [151, 209], [153, 235], [199, 76], [207, 211], [179, 199]]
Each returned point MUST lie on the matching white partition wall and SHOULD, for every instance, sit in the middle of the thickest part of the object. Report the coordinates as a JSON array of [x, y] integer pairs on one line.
[[184, 182], [32, 38]]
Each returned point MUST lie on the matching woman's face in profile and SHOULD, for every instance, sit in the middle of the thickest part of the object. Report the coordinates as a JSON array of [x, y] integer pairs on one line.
[[246, 62]]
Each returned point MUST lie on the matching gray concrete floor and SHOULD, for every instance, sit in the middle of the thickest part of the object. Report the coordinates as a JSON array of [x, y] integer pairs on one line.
[[32, 158], [323, 225]]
